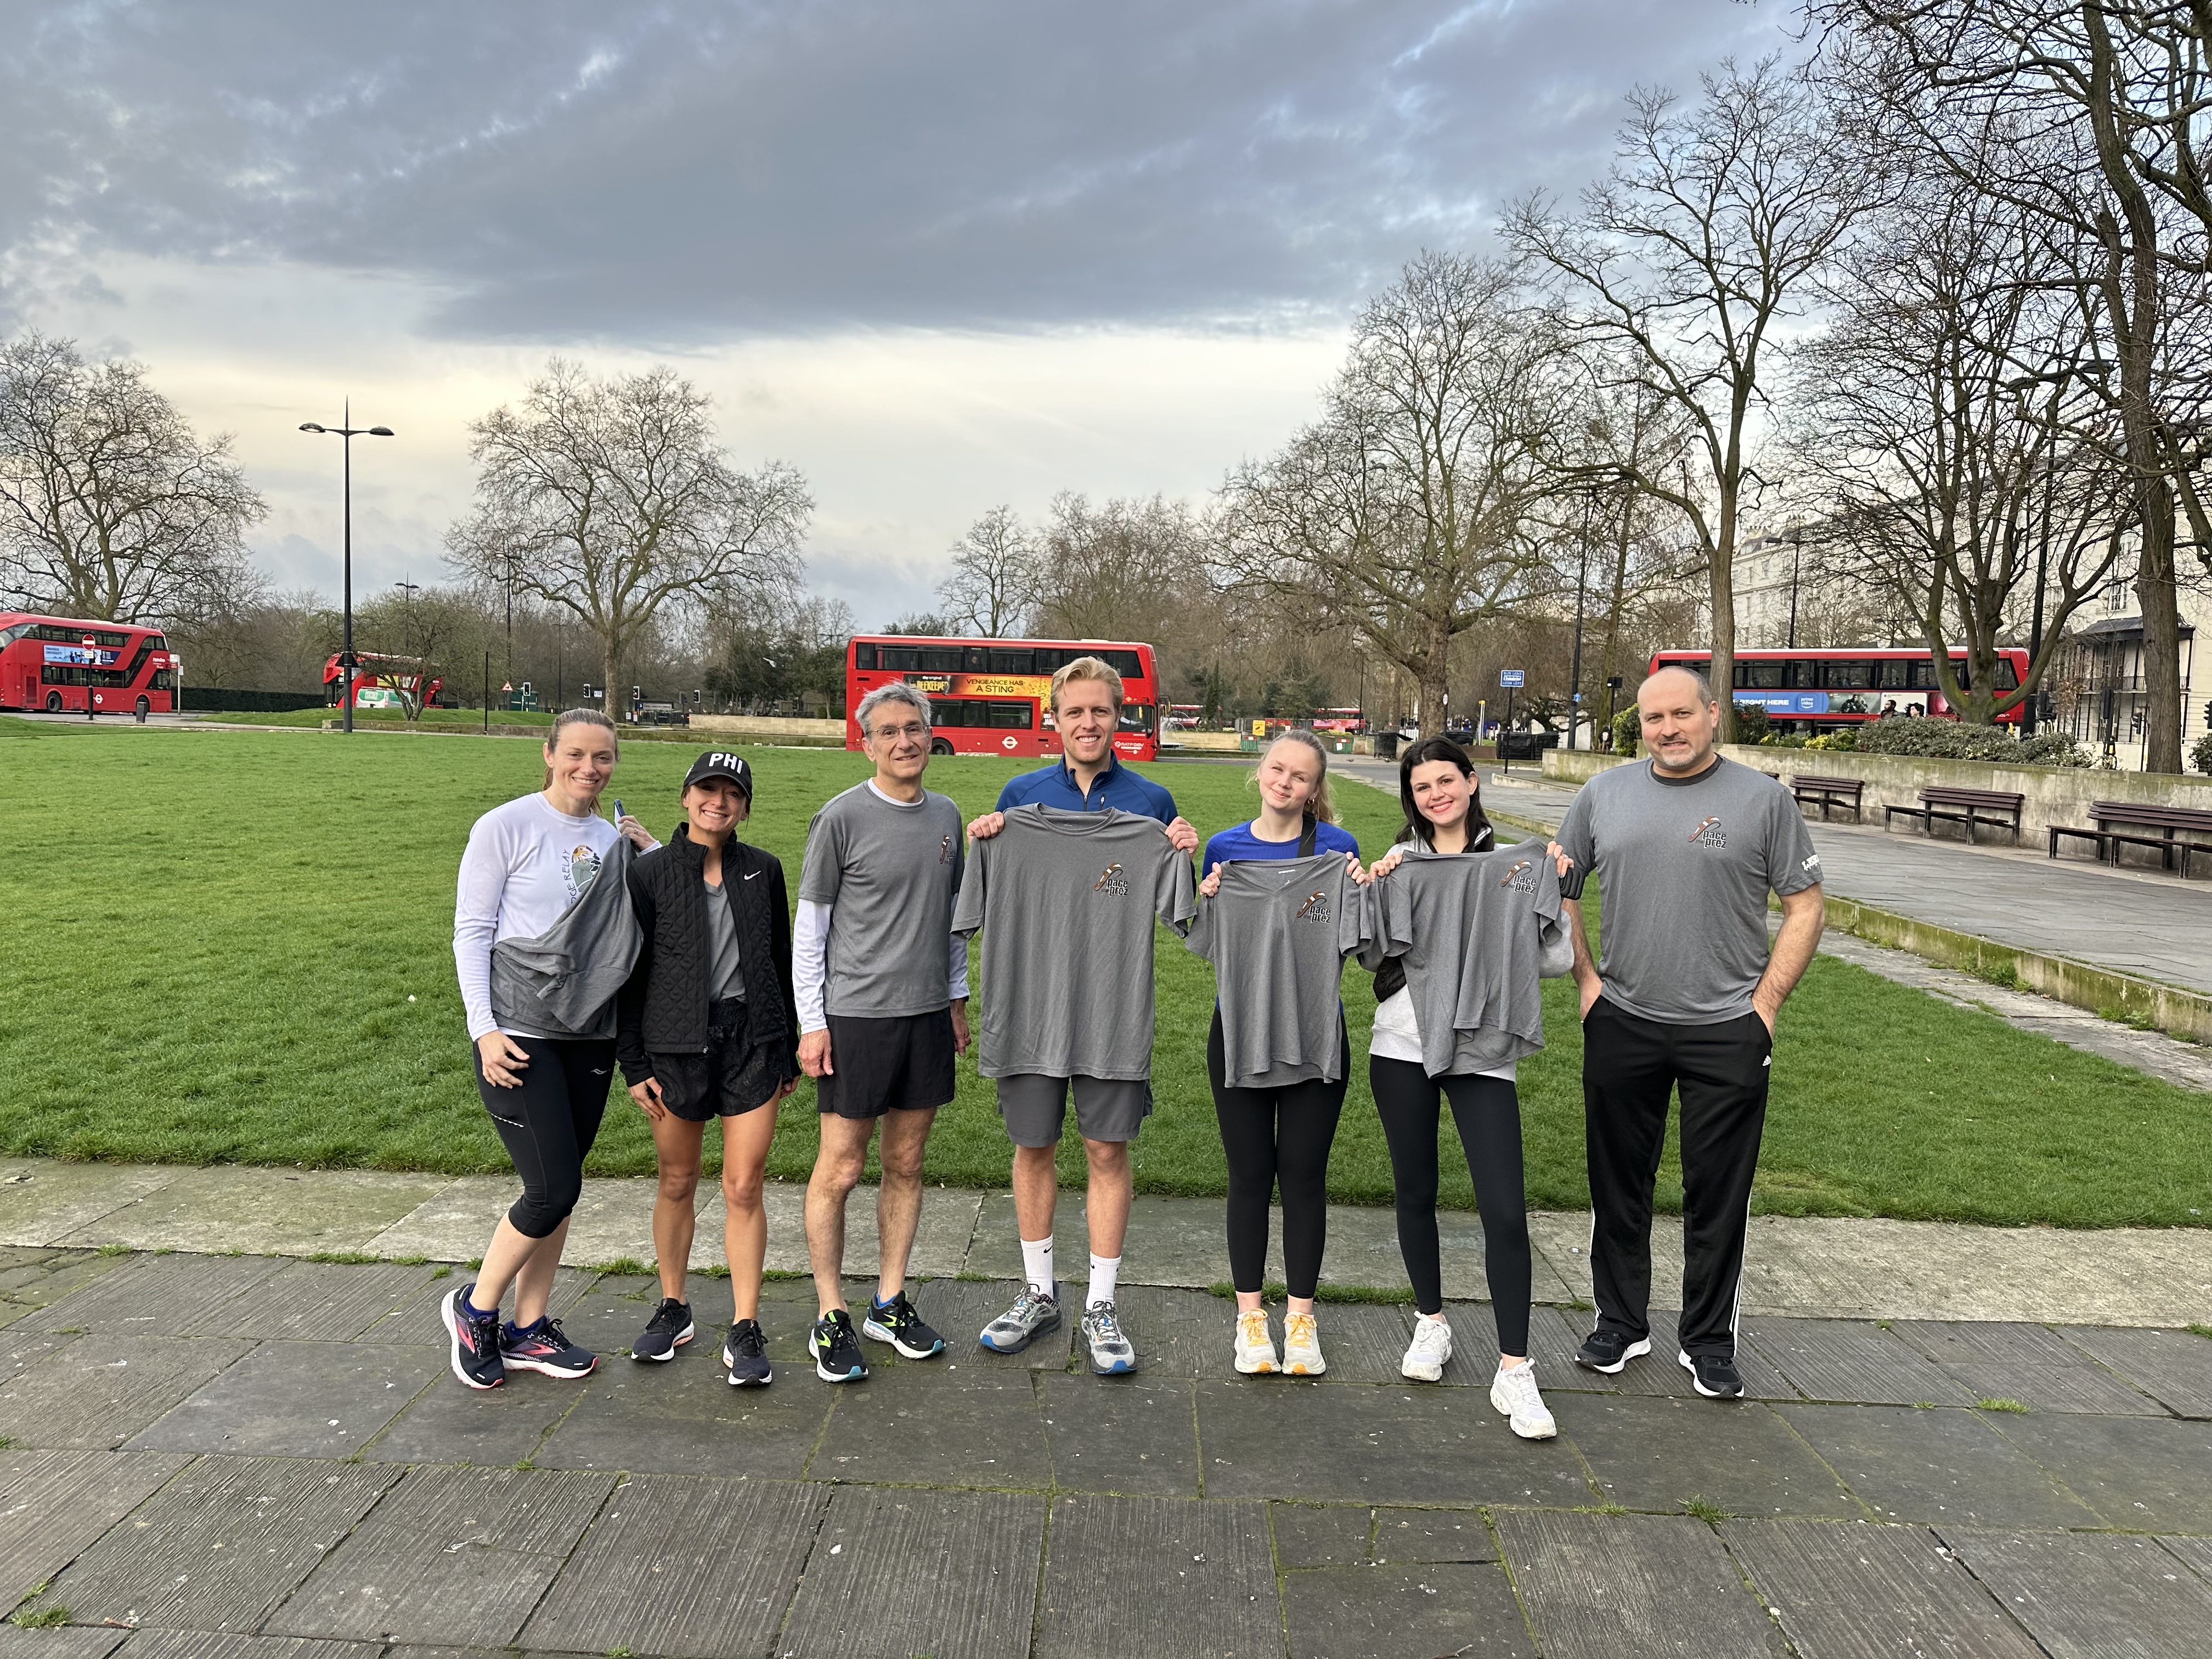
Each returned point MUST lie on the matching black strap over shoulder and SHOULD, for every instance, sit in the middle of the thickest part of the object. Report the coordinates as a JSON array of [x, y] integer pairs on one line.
[[1306, 837]]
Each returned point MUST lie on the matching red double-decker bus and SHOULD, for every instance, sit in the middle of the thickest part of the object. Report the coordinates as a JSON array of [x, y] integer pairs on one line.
[[61, 665], [1849, 684], [994, 696], [380, 682]]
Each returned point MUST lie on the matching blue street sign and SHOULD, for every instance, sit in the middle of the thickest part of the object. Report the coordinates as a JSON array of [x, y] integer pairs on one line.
[[1511, 677]]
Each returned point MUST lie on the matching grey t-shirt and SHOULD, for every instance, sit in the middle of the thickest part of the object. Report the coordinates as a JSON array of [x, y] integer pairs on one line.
[[727, 973], [1685, 867], [1474, 929], [1277, 934], [891, 873], [1065, 903]]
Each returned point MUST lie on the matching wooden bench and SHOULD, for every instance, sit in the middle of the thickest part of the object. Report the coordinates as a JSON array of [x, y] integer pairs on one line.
[[2170, 821], [1997, 808], [1810, 787]]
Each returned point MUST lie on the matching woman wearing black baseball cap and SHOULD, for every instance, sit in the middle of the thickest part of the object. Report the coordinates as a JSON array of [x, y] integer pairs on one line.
[[707, 1028]]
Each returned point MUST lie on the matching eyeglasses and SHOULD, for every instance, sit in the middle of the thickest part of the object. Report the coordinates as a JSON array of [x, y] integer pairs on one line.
[[913, 732]]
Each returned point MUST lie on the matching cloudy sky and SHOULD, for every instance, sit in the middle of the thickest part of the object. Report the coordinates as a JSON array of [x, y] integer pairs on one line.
[[936, 256]]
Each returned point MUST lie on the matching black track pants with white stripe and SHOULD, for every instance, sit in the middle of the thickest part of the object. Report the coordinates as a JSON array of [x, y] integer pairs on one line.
[[1630, 1066]]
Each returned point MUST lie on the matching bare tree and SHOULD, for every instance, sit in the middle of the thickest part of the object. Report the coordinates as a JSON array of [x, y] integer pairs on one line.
[[994, 582], [612, 498], [1686, 258], [1403, 516], [1123, 569], [112, 508]]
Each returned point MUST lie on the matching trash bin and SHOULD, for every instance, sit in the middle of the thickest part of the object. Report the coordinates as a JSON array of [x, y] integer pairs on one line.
[[1386, 745]]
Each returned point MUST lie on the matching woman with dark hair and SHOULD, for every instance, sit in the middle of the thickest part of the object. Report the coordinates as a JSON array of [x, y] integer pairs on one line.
[[529, 893], [1466, 926]]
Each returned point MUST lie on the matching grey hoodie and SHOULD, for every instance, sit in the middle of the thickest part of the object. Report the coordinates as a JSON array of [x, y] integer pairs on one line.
[[563, 982]]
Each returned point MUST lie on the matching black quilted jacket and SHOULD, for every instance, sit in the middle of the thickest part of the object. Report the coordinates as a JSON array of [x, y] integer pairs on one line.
[[663, 1008]]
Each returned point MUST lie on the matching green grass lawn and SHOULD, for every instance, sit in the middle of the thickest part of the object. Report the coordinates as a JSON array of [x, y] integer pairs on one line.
[[218, 935]]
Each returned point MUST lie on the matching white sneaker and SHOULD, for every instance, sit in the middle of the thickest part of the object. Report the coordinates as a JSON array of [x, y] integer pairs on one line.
[[1514, 1394], [1256, 1345], [1302, 1346], [1430, 1352]]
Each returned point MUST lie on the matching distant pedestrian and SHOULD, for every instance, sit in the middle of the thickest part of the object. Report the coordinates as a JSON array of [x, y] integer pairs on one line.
[[529, 879], [1687, 845], [1278, 1055], [883, 1009], [708, 1033]]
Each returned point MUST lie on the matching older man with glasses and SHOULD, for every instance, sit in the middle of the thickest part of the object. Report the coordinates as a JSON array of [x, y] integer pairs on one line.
[[882, 989]]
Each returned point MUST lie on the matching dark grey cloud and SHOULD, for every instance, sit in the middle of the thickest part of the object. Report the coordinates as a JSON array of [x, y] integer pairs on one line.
[[679, 174]]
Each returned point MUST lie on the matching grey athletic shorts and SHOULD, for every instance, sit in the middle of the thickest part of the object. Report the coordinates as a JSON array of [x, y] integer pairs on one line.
[[1106, 1108]]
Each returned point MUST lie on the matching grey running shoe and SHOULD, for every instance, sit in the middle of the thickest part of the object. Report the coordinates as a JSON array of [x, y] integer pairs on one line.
[[1112, 1354], [1032, 1315]]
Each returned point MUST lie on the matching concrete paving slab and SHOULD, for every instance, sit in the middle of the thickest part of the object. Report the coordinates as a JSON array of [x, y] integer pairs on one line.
[[1554, 1335], [1368, 1612], [1322, 1535], [158, 1295], [454, 1222], [20, 1350], [53, 1504], [1662, 1454], [2193, 1552], [317, 1301], [103, 1388], [1210, 1581], [1853, 1362], [1137, 1438], [497, 1428], [196, 1644], [959, 1308], [43, 1201], [1946, 1466], [1663, 1373], [953, 1575], [2174, 1367], [460, 1554], [2084, 1595], [219, 1546], [296, 1399], [1417, 1535], [1177, 1332], [1360, 1344], [722, 1556], [63, 1273], [2028, 1364], [684, 1418], [917, 1423], [1599, 1586], [1868, 1589], [232, 1206], [1314, 1442], [2149, 1474], [64, 1643]]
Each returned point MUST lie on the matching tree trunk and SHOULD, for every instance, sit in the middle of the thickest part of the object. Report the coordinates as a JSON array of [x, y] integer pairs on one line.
[[2161, 619], [1722, 558], [610, 666], [1435, 681]]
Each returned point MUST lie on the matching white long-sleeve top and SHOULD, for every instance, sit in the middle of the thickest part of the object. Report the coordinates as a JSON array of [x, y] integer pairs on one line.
[[525, 865]]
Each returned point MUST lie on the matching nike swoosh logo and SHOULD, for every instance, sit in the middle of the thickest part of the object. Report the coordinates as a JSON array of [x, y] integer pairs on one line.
[[1768, 1060], [750, 874]]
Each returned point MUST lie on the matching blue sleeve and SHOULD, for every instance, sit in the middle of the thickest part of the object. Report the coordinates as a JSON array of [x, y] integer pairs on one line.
[[1219, 846], [1160, 805], [1012, 795], [1335, 838]]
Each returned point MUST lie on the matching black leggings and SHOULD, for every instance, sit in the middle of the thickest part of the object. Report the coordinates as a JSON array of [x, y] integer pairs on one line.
[[1488, 1112], [549, 1124], [1278, 1134]]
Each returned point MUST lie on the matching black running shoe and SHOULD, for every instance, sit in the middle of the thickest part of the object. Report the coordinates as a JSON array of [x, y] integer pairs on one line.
[[836, 1349], [745, 1353], [895, 1321], [475, 1340], [546, 1347], [1713, 1375], [669, 1329], [1607, 1350]]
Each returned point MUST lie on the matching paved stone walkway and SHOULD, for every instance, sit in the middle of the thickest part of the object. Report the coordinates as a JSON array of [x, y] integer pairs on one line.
[[252, 1457]]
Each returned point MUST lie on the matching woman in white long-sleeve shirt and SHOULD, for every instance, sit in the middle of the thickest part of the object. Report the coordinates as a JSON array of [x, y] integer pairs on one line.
[[528, 862]]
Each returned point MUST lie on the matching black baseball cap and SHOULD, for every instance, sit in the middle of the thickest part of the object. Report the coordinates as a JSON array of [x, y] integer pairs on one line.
[[717, 763]]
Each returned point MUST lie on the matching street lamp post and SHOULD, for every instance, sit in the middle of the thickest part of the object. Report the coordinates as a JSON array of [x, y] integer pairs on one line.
[[1796, 558], [1575, 674], [349, 432]]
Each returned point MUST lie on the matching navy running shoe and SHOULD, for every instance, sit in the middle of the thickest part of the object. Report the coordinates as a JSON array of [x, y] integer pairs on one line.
[[544, 1347], [836, 1349], [669, 1329], [745, 1353], [476, 1340]]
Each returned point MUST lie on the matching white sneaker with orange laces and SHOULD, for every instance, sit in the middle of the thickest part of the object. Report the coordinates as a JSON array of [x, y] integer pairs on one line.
[[1255, 1345], [1302, 1346]]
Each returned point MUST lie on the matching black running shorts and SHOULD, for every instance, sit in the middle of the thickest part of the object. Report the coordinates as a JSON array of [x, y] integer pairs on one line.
[[735, 1074], [902, 1064]]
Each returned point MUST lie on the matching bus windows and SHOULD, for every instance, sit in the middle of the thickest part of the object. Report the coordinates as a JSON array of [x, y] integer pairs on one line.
[[1121, 662], [1136, 717], [899, 659], [1757, 676], [864, 654], [1008, 715], [1012, 662], [974, 659], [1801, 675], [2007, 676], [939, 659], [1920, 675], [1049, 661], [1891, 674], [1847, 676]]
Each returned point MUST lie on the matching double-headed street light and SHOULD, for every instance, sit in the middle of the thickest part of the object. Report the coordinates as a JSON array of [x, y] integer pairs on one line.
[[349, 432]]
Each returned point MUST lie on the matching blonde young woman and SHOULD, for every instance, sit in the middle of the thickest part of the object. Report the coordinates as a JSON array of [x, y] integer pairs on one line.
[[529, 863], [1280, 1135]]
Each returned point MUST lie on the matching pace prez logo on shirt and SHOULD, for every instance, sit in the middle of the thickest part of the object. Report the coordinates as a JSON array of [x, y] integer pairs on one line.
[[1315, 908], [1522, 878], [582, 870], [1709, 834], [1112, 882], [945, 851]]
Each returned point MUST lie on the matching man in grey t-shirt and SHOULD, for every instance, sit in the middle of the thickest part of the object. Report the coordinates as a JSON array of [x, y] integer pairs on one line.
[[882, 989], [1686, 847]]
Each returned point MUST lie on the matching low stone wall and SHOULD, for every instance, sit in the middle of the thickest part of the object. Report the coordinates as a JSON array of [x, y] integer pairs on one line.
[[2054, 795], [765, 728], [1200, 743]]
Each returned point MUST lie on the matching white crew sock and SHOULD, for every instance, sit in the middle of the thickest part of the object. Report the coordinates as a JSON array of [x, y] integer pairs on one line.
[[1105, 1270], [1036, 1264]]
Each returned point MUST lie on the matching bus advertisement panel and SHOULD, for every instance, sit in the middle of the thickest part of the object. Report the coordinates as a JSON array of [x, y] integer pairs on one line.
[[59, 665], [1848, 685], [994, 696]]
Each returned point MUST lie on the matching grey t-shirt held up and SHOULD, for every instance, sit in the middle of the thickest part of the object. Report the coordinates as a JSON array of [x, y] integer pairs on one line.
[[1277, 934], [1476, 931], [1065, 903], [891, 873], [1685, 866]]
